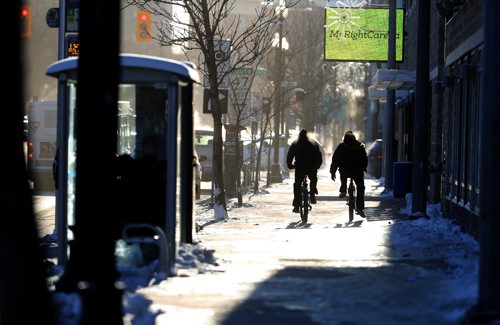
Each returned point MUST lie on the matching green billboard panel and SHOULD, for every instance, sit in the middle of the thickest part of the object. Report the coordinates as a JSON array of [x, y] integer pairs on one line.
[[361, 34]]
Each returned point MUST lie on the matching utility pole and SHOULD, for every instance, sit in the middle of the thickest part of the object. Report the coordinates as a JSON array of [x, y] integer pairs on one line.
[[282, 12], [391, 94], [276, 176]]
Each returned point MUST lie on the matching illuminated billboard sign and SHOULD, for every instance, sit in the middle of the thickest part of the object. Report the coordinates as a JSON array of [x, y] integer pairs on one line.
[[361, 34]]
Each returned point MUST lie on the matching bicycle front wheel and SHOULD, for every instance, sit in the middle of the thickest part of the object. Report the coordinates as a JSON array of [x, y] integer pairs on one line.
[[351, 201], [351, 212]]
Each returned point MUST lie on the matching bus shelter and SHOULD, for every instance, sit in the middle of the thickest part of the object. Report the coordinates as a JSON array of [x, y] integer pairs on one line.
[[154, 149]]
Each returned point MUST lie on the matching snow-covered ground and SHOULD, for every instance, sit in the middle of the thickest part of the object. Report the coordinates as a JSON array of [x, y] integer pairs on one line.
[[438, 239]]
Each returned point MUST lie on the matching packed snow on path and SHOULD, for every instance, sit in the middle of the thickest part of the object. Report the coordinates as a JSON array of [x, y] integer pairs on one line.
[[433, 237]]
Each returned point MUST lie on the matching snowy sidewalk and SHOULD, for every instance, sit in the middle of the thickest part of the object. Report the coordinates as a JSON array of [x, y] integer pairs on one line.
[[263, 266]]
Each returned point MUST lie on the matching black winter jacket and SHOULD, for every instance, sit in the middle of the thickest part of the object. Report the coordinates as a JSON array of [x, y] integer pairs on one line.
[[350, 159], [306, 153]]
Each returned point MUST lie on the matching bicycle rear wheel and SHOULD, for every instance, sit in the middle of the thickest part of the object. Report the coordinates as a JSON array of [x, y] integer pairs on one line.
[[304, 205]]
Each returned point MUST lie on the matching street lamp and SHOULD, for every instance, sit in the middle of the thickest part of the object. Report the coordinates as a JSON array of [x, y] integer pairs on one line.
[[279, 43]]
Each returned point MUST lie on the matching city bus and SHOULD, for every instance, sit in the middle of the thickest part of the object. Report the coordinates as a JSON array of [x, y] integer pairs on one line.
[[41, 144]]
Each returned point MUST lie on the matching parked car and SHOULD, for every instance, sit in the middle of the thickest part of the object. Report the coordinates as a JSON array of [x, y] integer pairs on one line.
[[203, 143], [197, 175], [267, 148], [375, 154]]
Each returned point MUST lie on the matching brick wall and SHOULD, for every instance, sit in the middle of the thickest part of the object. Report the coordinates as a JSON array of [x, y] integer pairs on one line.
[[463, 24], [410, 53]]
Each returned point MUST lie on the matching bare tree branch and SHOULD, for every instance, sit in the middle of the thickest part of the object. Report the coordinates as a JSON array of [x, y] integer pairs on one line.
[[201, 28]]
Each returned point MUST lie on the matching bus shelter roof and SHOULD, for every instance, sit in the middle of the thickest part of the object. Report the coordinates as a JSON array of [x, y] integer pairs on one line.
[[135, 68]]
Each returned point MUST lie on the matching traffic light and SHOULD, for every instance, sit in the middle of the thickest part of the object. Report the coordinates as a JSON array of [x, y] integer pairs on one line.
[[143, 30], [25, 21]]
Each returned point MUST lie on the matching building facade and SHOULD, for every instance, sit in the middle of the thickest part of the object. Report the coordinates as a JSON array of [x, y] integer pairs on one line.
[[453, 146], [461, 111]]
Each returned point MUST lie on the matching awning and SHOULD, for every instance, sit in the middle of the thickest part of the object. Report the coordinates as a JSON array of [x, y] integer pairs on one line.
[[374, 93], [394, 79]]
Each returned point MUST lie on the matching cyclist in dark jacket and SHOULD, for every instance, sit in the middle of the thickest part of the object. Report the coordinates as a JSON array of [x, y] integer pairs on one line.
[[351, 160], [305, 157]]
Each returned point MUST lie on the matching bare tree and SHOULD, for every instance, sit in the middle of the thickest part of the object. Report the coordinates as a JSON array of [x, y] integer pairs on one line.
[[204, 37], [241, 113], [306, 40]]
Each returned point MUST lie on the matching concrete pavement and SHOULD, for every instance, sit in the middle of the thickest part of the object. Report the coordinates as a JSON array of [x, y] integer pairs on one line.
[[44, 207], [271, 269], [263, 266]]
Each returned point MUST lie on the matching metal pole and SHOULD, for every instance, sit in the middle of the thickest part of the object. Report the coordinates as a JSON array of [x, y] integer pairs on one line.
[[389, 110], [95, 223], [421, 113], [488, 307], [276, 176], [62, 29], [61, 222], [186, 154], [172, 192], [286, 172]]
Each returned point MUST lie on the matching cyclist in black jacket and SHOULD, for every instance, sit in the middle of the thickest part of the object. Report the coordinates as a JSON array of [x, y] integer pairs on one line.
[[305, 156], [351, 160]]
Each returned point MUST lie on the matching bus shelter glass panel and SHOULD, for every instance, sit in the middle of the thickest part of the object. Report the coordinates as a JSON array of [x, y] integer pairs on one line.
[[71, 157], [141, 154]]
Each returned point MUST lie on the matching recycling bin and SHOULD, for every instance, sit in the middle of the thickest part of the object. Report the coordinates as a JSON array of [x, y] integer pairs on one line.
[[402, 176]]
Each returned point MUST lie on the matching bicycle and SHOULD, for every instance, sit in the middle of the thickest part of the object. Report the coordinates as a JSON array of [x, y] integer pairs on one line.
[[351, 199], [305, 204]]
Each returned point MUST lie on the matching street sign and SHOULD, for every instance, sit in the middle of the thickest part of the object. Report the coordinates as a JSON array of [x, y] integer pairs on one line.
[[240, 96], [207, 105], [241, 80], [72, 15], [52, 17], [221, 49]]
